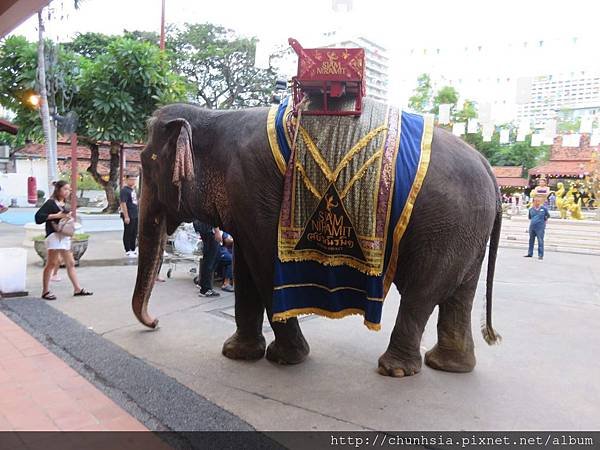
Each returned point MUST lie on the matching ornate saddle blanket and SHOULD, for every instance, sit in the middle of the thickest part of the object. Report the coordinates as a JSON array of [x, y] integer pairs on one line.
[[350, 184]]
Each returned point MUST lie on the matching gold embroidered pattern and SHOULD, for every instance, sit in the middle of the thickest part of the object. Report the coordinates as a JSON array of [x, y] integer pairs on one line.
[[360, 145], [361, 172], [316, 154], [332, 175], [311, 187], [339, 288]]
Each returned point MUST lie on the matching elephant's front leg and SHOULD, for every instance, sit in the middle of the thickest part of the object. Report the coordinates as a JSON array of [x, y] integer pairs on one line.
[[403, 355], [248, 341], [289, 346]]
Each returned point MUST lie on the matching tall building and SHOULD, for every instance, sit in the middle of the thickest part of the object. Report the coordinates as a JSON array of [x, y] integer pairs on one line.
[[377, 62], [491, 71], [544, 97]]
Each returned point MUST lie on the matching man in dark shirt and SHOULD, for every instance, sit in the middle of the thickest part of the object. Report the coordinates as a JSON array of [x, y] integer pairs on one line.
[[129, 214], [538, 215], [210, 252]]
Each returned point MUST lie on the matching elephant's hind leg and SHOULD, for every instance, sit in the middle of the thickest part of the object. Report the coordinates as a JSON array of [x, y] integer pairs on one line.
[[403, 355], [248, 341], [454, 351]]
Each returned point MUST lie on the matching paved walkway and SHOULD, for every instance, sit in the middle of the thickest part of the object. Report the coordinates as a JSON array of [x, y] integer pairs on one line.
[[547, 312], [38, 391], [541, 375]]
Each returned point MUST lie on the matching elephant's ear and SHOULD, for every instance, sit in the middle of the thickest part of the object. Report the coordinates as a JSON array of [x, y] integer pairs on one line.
[[183, 167]]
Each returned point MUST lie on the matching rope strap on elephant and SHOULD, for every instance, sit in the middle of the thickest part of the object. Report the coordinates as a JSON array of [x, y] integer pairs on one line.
[[350, 184]]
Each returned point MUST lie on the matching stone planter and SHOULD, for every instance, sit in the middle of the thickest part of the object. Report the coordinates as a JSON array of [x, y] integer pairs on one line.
[[78, 247], [33, 230]]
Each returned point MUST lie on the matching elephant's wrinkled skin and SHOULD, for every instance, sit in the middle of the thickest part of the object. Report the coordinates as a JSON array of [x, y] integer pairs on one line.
[[236, 185]]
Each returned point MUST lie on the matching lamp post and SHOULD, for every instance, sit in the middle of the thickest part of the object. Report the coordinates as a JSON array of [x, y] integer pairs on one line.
[[74, 174], [162, 26], [67, 124]]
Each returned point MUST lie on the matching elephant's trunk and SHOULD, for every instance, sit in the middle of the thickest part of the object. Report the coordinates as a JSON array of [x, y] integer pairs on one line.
[[151, 245]]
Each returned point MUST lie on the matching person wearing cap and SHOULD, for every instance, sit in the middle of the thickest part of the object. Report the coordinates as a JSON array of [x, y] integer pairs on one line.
[[129, 214]]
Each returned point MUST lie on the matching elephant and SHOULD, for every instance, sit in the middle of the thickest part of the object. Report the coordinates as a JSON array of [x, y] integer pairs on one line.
[[216, 166]]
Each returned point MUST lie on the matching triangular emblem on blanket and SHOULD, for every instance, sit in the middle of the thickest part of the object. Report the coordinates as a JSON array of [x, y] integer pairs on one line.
[[329, 230]]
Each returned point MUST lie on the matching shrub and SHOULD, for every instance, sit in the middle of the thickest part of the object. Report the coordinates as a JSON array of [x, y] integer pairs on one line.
[[76, 237]]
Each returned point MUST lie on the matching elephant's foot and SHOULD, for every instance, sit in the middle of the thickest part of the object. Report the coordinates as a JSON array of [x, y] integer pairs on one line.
[[392, 366], [450, 360], [286, 354], [248, 348]]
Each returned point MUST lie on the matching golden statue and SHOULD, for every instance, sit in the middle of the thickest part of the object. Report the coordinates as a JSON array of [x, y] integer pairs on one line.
[[561, 200], [574, 207]]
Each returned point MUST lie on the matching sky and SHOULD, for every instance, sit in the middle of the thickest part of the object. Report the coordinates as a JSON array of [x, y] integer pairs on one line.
[[438, 36]]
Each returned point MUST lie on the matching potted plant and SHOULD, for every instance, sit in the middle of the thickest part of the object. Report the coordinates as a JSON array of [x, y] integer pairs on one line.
[[79, 245]]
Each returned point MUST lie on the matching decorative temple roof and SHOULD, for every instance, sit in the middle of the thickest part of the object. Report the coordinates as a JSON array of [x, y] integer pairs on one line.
[[568, 161], [34, 151], [509, 176]]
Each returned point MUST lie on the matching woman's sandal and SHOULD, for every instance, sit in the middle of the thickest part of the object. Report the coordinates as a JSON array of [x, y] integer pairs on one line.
[[48, 296], [82, 292]]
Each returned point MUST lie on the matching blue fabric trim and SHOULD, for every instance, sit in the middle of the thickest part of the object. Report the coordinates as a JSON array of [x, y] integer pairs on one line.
[[286, 152], [407, 163]]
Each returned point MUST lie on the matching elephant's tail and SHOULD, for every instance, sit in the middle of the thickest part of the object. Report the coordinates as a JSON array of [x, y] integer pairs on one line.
[[489, 334]]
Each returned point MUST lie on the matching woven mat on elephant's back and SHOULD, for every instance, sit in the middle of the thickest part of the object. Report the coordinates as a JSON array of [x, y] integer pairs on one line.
[[338, 189], [346, 190]]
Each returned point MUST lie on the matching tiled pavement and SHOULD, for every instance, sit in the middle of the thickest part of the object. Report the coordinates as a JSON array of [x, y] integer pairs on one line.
[[39, 391]]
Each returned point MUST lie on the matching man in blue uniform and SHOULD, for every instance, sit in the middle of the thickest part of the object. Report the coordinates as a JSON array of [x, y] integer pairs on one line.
[[538, 215]]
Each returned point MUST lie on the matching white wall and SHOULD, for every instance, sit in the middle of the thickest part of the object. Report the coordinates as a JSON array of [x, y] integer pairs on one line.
[[37, 168], [13, 185]]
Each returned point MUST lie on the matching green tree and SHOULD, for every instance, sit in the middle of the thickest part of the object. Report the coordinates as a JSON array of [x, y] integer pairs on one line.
[[519, 154], [89, 45], [446, 94], [512, 154], [112, 83], [468, 111], [449, 95], [18, 66], [118, 90], [421, 98], [18, 82], [487, 149], [219, 67], [568, 126], [150, 37]]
